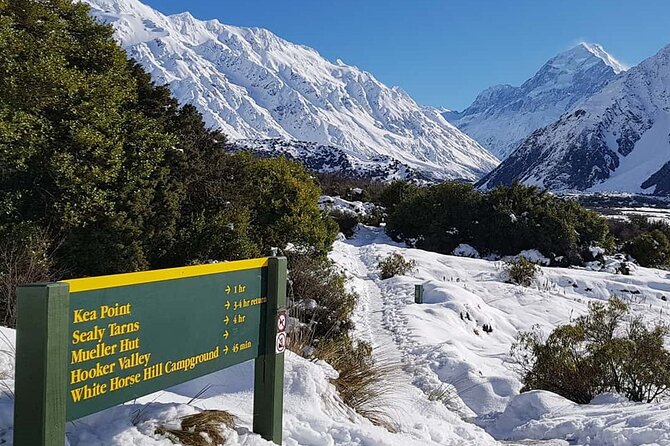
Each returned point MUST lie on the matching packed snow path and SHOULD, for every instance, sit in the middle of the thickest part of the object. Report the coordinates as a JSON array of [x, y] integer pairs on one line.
[[448, 358]]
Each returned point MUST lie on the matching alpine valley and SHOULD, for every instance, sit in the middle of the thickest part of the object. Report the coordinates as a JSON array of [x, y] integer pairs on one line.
[[269, 92]]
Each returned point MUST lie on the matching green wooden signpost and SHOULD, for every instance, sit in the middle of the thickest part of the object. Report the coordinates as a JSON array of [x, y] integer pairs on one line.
[[85, 345]]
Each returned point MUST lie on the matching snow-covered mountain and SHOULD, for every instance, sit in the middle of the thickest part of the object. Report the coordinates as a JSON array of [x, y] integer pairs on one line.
[[255, 85], [503, 116], [618, 140]]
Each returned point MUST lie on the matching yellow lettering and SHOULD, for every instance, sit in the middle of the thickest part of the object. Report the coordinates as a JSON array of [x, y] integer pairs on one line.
[[101, 350], [121, 329], [117, 310], [80, 375], [117, 383], [84, 316], [86, 392]]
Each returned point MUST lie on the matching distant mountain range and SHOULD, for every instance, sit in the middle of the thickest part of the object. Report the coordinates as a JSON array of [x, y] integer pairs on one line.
[[581, 123], [256, 86], [616, 140], [503, 116]]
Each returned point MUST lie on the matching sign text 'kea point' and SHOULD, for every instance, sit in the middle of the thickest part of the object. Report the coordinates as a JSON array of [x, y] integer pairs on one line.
[[85, 345]]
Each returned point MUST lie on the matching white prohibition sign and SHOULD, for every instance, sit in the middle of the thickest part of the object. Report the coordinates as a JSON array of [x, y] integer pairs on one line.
[[281, 322], [280, 344]]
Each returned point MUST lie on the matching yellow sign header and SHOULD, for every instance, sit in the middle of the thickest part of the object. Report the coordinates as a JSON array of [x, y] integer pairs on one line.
[[117, 280]]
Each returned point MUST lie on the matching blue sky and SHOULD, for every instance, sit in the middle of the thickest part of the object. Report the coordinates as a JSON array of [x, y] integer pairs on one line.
[[444, 52]]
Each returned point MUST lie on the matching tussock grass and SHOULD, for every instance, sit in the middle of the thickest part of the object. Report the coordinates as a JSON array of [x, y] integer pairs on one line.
[[200, 429], [365, 383]]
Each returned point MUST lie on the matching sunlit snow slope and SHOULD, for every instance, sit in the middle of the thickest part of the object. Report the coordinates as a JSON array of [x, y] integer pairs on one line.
[[255, 85]]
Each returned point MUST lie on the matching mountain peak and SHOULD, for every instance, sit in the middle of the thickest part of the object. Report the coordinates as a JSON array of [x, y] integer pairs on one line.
[[585, 53], [581, 58], [598, 51], [616, 140], [559, 85]]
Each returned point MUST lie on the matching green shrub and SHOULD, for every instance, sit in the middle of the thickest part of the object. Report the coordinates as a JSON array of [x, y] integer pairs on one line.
[[521, 271], [346, 221], [395, 265], [319, 298], [651, 249], [503, 221], [601, 352], [396, 192]]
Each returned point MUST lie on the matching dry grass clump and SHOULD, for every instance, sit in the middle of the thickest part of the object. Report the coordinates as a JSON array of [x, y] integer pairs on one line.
[[23, 260], [365, 384], [200, 429]]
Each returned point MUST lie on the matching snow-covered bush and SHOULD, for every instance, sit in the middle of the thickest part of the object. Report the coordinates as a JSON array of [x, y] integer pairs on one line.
[[395, 265], [603, 351], [465, 250]]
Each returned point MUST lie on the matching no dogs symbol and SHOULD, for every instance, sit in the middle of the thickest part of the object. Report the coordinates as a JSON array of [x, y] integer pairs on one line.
[[280, 344], [281, 322]]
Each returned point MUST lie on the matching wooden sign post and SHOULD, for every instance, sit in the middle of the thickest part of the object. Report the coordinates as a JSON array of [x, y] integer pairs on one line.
[[85, 345]]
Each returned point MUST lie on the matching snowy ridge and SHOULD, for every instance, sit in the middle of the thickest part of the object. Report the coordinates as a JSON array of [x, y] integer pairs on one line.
[[330, 159], [618, 140], [255, 85], [503, 116]]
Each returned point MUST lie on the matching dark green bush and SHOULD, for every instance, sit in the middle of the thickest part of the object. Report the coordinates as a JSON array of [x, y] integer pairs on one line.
[[346, 221], [503, 221], [651, 249], [319, 298], [603, 351], [396, 192], [395, 265], [521, 271]]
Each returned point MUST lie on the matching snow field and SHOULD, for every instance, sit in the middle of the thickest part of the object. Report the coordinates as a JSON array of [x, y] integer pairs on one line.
[[440, 350]]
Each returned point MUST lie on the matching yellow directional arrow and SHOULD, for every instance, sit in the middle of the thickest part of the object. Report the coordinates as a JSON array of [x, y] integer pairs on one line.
[[226, 320], [226, 334], [227, 304], [225, 350], [228, 289]]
